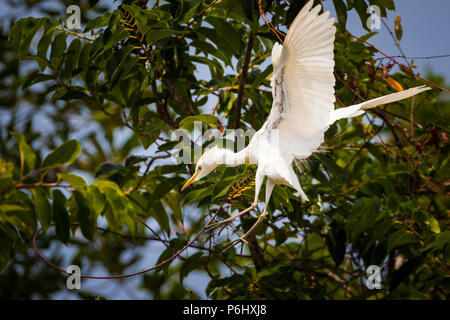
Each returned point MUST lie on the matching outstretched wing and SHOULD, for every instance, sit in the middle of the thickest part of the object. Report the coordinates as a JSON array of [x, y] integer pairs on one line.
[[303, 82]]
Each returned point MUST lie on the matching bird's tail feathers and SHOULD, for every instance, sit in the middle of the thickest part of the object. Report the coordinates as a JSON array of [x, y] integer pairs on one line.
[[393, 97], [358, 109]]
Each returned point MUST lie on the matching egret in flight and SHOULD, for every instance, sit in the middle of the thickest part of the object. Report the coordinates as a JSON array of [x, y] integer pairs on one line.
[[302, 110]]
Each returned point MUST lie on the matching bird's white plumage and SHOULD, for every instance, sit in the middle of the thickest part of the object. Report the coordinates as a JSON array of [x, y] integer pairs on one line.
[[302, 109], [303, 73]]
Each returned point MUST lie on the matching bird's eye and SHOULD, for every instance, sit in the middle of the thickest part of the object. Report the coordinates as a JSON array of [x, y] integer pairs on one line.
[[199, 168]]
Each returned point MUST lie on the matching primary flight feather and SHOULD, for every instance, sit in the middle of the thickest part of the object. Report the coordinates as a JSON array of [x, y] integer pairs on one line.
[[302, 109]]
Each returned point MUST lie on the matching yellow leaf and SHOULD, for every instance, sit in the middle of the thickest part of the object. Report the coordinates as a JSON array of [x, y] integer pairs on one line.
[[394, 84]]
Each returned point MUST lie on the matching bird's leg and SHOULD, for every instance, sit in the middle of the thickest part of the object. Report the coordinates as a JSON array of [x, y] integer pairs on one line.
[[258, 183], [243, 238], [237, 215], [269, 188]]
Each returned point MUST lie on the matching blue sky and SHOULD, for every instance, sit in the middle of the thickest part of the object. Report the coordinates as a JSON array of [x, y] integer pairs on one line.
[[426, 28]]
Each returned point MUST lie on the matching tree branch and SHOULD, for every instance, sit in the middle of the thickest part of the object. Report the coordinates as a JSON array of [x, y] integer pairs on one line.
[[255, 250], [242, 82]]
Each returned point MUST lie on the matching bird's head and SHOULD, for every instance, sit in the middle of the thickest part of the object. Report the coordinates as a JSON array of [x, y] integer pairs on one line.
[[207, 163]]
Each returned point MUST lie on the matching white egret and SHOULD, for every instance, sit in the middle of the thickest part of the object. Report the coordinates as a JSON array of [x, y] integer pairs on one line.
[[302, 109]]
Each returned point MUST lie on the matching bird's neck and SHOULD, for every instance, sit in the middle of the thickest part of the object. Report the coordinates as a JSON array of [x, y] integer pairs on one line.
[[232, 159]]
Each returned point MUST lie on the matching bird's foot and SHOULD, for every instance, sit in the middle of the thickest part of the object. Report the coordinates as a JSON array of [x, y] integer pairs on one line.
[[244, 237], [235, 242], [229, 220], [223, 223]]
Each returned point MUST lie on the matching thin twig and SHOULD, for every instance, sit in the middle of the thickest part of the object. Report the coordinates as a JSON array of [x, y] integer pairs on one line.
[[397, 44], [162, 263], [243, 81], [416, 58], [402, 67], [81, 36]]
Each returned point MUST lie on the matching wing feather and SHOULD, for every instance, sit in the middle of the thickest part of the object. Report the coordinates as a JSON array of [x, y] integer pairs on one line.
[[303, 70]]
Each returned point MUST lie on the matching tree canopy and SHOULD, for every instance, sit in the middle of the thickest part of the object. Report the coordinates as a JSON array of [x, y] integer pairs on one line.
[[86, 149]]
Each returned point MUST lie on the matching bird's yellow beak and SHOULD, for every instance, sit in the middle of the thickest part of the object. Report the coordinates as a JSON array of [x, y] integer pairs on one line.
[[191, 179]]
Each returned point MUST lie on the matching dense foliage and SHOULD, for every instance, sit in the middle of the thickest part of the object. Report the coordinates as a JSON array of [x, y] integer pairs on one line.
[[137, 72]]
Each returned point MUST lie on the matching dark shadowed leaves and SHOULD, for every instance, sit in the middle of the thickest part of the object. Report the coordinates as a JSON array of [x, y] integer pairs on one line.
[[60, 216]]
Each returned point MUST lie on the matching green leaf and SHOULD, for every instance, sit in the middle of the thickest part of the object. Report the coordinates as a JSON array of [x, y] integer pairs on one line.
[[107, 169], [83, 59], [173, 201], [365, 213], [330, 163], [59, 94], [403, 273], [152, 125], [42, 47], [65, 153], [369, 35], [43, 207], [384, 4], [361, 8], [19, 213], [398, 28], [434, 224], [248, 6], [194, 262], [225, 181], [214, 37], [98, 22], [439, 242], [85, 215], [190, 10], [42, 62], [15, 34], [222, 185], [400, 238], [6, 246], [212, 63], [205, 118], [60, 216], [6, 173], [164, 187], [74, 180], [161, 216], [197, 195], [71, 58], [208, 48], [282, 197], [341, 12], [27, 155], [58, 48], [36, 78], [119, 208], [156, 35], [294, 9], [74, 93], [280, 236], [336, 240], [97, 199], [261, 77], [227, 33], [23, 32]]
